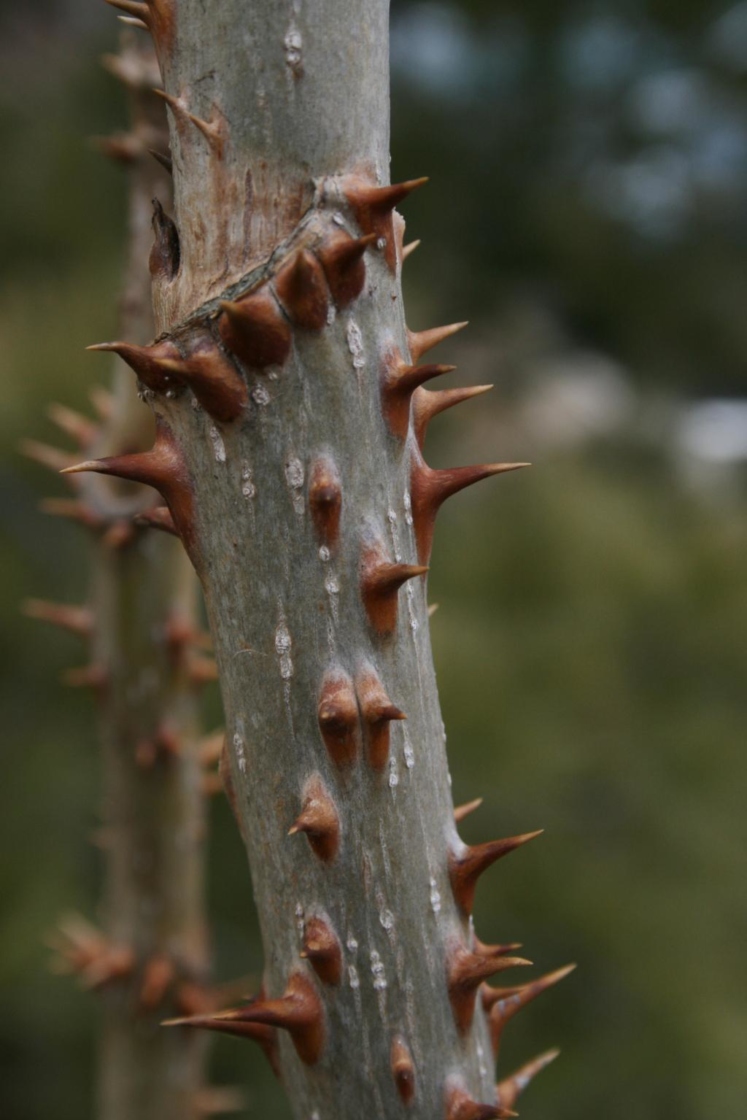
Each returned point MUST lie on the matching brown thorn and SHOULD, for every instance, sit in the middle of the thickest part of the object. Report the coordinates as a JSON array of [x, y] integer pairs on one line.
[[430, 489], [165, 161], [461, 1106], [119, 534], [408, 378], [427, 404], [502, 1010], [131, 21], [254, 329], [72, 509], [117, 963], [463, 811], [420, 342], [164, 744], [135, 9], [210, 748], [380, 583], [398, 383], [432, 608], [202, 670], [74, 424], [133, 69], [325, 499], [321, 947], [466, 867], [382, 200], [409, 249], [484, 950], [509, 1090], [403, 1069], [123, 147], [373, 206], [78, 620], [465, 973], [211, 784], [214, 130], [341, 258], [298, 1011], [319, 819], [338, 717], [154, 365], [378, 712], [302, 290], [102, 400], [197, 1004], [212, 377], [162, 467], [87, 676], [217, 1100], [83, 949], [158, 974], [490, 995], [157, 518], [46, 455]]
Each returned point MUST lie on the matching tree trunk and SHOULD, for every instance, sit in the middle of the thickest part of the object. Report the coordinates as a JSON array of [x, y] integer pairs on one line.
[[290, 419], [149, 959]]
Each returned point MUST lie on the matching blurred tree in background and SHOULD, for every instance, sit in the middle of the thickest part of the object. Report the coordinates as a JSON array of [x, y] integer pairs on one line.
[[586, 210]]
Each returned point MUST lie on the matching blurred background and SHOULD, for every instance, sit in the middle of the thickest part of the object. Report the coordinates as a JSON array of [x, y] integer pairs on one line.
[[587, 211]]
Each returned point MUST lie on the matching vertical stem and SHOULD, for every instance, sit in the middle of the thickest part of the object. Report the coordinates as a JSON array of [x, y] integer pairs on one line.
[[290, 422], [144, 598]]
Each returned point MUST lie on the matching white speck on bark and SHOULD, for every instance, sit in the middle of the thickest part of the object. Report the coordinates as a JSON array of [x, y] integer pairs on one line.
[[355, 344], [283, 645], [219, 447], [392, 521], [332, 587], [238, 746], [331, 584], [414, 624], [481, 1060], [248, 489], [408, 751], [386, 918], [294, 476], [293, 44], [261, 396], [435, 897], [378, 972]]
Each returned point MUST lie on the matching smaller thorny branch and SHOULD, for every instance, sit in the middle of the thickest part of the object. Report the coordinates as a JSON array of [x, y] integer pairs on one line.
[[147, 662]]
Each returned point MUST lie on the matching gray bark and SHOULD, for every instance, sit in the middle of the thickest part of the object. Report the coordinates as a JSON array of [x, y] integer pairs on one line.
[[289, 492]]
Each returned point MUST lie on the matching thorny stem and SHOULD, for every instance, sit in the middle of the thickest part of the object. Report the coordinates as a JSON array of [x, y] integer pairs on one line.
[[143, 605], [144, 599], [290, 420]]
